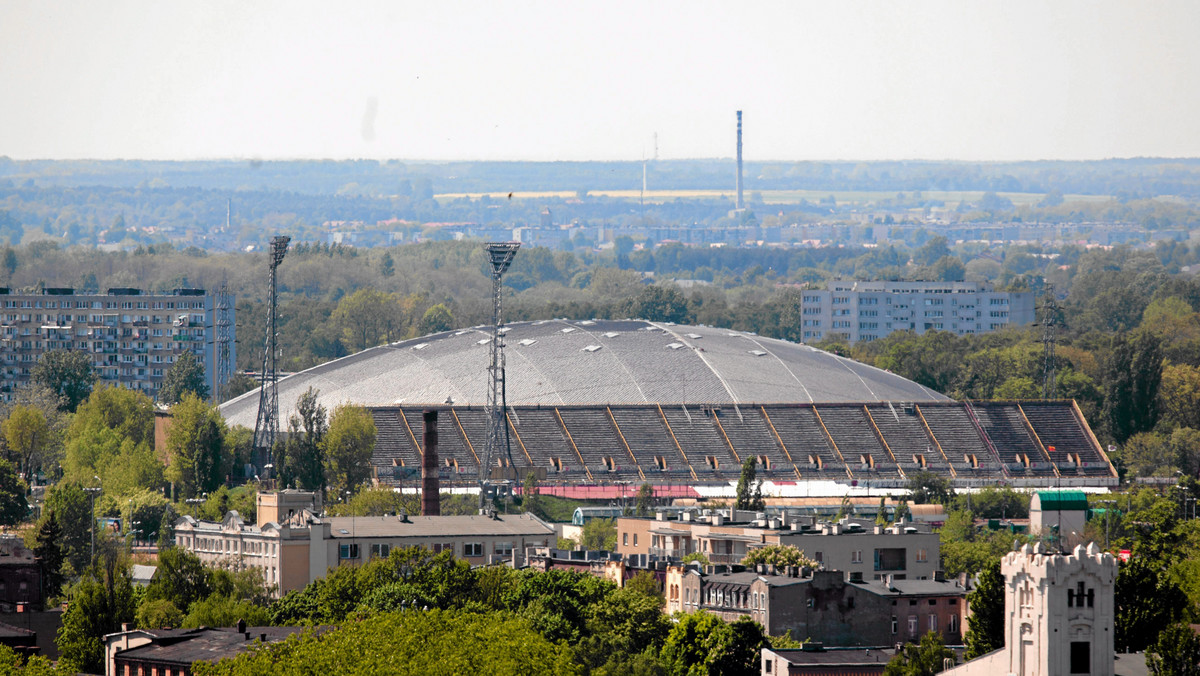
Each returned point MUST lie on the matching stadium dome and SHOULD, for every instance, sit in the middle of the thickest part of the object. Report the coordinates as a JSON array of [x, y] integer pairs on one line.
[[565, 362]]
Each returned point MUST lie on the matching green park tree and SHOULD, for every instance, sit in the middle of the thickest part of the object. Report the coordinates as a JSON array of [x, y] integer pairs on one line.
[[303, 459], [778, 555], [72, 508], [99, 603], [645, 500], [367, 318], [1133, 372], [348, 447], [48, 550], [28, 436], [195, 444], [435, 320], [68, 373], [926, 487], [986, 632], [14, 506], [1176, 652], [599, 534], [920, 659], [749, 488], [186, 376]]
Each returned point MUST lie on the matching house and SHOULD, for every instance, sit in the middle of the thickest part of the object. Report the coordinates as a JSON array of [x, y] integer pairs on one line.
[[172, 652], [20, 575], [831, 607], [903, 551], [814, 659]]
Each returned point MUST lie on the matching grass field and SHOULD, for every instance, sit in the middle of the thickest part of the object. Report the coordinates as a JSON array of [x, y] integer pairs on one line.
[[950, 197]]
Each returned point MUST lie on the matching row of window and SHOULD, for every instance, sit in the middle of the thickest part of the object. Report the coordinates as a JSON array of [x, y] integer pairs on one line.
[[103, 305]]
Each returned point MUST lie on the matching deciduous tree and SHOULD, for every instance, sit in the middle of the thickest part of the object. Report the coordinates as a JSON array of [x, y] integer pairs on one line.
[[186, 376], [68, 373], [985, 631], [348, 447], [749, 488], [196, 443]]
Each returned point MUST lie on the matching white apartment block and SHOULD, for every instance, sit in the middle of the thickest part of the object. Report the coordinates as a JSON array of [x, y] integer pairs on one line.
[[863, 311], [132, 337]]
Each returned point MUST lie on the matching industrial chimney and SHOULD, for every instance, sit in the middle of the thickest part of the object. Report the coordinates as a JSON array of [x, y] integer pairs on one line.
[[740, 203], [430, 488]]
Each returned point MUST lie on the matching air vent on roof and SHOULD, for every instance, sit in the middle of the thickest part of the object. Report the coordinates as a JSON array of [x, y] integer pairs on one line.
[[586, 322], [343, 531], [674, 346], [485, 341], [568, 329], [420, 346], [592, 348], [502, 329], [694, 336], [527, 342], [758, 353], [459, 333], [610, 334]]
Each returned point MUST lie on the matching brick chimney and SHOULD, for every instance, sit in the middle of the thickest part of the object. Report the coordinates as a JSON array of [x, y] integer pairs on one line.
[[430, 487]]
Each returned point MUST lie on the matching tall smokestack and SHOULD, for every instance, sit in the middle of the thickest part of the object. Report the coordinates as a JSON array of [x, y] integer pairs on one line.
[[740, 203], [430, 488]]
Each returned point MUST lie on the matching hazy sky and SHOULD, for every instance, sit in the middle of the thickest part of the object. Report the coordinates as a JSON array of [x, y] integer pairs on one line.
[[590, 79]]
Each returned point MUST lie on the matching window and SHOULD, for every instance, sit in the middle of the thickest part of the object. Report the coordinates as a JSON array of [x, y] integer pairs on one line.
[[348, 552], [895, 625], [380, 551], [856, 556], [473, 549], [625, 539], [933, 623], [912, 624], [1081, 657], [922, 555], [635, 539], [953, 624], [819, 557], [503, 549]]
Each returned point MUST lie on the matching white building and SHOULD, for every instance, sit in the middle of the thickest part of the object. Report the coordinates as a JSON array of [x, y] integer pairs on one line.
[[1059, 611], [863, 311]]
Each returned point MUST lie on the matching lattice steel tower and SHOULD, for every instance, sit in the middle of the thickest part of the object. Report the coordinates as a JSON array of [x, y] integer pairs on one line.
[[266, 429], [500, 255], [224, 352], [1049, 310]]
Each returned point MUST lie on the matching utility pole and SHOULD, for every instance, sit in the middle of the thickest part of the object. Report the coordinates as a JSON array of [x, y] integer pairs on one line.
[[92, 491]]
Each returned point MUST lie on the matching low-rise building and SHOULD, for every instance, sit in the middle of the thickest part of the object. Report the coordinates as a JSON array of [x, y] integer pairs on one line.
[[827, 606], [302, 548], [815, 660], [20, 575], [904, 551], [172, 652]]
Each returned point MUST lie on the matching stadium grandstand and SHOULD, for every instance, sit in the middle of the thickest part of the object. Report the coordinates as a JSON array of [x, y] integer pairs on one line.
[[637, 401]]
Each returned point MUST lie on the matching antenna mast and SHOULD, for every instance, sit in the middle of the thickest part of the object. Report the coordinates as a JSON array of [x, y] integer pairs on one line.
[[500, 255], [266, 429], [1049, 310]]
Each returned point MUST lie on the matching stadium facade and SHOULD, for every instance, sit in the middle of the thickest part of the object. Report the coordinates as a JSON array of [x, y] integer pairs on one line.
[[632, 400]]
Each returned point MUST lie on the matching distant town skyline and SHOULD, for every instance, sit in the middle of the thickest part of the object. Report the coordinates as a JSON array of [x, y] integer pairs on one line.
[[599, 81]]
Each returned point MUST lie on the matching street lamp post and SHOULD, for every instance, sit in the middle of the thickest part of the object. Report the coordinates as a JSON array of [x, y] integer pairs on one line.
[[92, 491]]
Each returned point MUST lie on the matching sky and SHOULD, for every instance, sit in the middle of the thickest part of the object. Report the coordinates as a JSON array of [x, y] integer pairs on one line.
[[599, 80]]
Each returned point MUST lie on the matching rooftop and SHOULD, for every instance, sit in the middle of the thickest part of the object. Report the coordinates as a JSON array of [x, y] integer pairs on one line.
[[569, 362]]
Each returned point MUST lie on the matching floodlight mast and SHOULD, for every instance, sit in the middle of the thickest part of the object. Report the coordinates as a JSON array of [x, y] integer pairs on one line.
[[500, 256], [266, 428]]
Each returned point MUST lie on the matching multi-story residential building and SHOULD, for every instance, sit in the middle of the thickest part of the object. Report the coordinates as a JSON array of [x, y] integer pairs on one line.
[[132, 337], [856, 311], [831, 607], [903, 551], [302, 546]]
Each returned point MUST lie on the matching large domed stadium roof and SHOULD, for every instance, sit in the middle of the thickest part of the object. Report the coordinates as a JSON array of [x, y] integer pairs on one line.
[[561, 362]]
